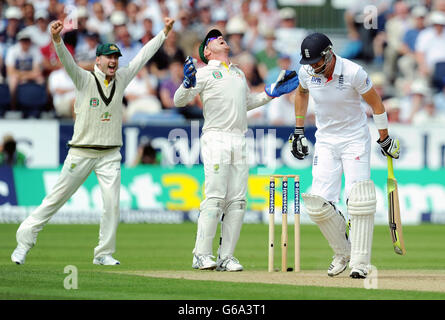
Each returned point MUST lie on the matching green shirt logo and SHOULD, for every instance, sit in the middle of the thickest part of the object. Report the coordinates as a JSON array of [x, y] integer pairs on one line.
[[94, 102], [217, 74], [106, 116]]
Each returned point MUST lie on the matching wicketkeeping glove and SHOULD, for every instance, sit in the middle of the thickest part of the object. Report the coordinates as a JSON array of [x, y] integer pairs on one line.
[[189, 73], [390, 147], [286, 82], [299, 146]]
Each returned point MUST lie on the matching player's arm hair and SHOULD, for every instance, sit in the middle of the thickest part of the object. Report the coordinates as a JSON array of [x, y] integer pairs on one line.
[[301, 104], [373, 99]]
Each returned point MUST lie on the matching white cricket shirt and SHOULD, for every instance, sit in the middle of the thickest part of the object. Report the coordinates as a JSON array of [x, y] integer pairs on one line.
[[339, 115], [225, 95], [99, 122]]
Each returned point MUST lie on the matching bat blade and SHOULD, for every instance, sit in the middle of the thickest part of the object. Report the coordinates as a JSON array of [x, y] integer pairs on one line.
[[395, 221]]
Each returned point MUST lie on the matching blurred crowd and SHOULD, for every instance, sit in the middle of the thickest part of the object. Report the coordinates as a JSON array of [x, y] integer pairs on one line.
[[403, 50], [406, 50]]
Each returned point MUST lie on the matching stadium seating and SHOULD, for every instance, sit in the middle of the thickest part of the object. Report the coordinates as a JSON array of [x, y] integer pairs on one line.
[[31, 98], [439, 76], [5, 99]]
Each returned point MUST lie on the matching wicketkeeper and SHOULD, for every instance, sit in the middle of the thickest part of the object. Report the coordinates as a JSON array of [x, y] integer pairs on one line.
[[226, 98], [343, 145], [96, 142]]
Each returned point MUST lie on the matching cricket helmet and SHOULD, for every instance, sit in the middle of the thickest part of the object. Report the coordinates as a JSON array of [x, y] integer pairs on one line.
[[314, 47]]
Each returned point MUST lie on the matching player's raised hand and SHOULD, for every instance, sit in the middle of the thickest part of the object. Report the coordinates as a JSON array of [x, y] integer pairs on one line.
[[189, 73], [168, 25], [56, 29]]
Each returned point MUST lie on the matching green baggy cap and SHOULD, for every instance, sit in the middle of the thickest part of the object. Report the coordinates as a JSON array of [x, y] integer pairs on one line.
[[214, 33], [107, 49]]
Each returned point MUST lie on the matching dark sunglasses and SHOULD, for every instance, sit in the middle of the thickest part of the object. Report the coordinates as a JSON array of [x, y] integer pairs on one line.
[[210, 39]]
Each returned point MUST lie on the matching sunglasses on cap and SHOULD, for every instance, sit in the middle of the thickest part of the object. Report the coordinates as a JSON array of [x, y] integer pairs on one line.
[[210, 39]]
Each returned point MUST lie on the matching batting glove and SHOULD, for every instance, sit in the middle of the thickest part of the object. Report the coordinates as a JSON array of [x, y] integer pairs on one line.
[[390, 147], [189, 73], [286, 82], [298, 142]]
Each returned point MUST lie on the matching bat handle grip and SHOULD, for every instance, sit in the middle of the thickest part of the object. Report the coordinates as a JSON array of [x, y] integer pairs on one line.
[[390, 168]]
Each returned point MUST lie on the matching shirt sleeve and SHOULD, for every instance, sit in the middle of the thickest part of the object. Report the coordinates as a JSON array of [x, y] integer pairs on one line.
[[183, 95], [255, 100], [145, 54], [302, 78], [361, 82], [76, 73]]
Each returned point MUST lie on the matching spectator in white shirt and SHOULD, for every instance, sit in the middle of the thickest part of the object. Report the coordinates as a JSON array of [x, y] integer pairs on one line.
[[63, 91], [141, 96], [429, 115], [134, 24], [39, 31], [99, 23], [23, 62], [430, 44]]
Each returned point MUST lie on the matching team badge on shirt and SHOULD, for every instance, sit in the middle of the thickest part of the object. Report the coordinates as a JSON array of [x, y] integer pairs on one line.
[[341, 83], [367, 81], [94, 102], [106, 116], [217, 74], [316, 80]]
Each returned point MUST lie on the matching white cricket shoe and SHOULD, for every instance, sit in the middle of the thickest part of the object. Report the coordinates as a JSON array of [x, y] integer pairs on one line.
[[106, 261], [338, 265], [203, 262], [359, 272], [18, 256], [229, 264]]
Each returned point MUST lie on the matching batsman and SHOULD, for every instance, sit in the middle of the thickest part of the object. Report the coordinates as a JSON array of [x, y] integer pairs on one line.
[[343, 145], [226, 98], [96, 142]]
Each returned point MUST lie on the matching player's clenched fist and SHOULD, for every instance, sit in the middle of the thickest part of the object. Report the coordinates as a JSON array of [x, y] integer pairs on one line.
[[168, 25], [56, 28]]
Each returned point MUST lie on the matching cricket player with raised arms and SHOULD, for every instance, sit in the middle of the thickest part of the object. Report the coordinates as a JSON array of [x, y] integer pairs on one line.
[[96, 142], [343, 145], [226, 98]]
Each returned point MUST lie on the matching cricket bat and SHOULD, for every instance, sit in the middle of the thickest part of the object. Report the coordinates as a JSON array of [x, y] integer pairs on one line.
[[395, 222]]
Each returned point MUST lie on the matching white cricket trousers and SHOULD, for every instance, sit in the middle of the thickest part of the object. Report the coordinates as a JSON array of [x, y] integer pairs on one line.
[[225, 165], [332, 160], [74, 173], [226, 172]]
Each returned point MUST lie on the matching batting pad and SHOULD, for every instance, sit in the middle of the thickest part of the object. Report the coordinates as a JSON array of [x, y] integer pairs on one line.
[[231, 224], [209, 215], [361, 209], [332, 225]]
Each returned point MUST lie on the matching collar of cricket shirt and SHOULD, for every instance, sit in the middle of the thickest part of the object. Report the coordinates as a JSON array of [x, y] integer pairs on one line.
[[101, 76], [218, 63], [338, 65]]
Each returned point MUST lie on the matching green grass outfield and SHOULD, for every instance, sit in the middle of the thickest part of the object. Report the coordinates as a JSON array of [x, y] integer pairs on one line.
[[169, 247]]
